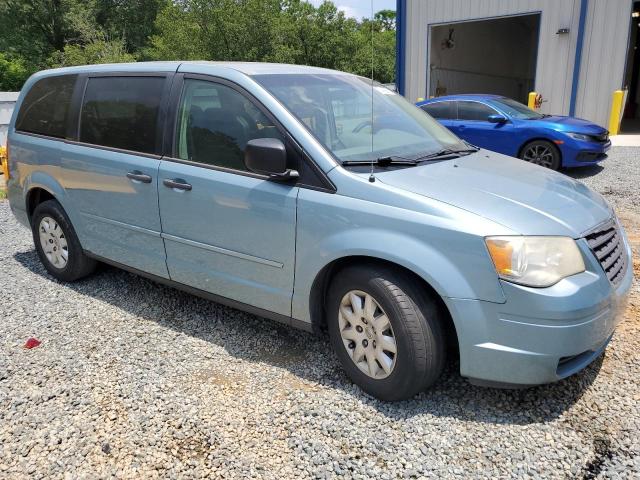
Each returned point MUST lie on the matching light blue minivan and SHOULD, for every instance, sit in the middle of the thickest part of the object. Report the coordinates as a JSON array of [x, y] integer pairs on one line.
[[326, 202]]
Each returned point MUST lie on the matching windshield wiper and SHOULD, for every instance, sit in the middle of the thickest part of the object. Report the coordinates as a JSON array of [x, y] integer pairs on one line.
[[382, 161], [397, 160], [447, 152]]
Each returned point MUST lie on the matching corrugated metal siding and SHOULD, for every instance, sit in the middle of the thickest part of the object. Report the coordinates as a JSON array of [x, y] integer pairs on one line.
[[554, 66], [7, 101], [603, 57], [605, 36]]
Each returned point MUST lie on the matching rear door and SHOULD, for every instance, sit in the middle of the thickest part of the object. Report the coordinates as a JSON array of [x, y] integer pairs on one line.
[[227, 231], [110, 171], [473, 126], [444, 111]]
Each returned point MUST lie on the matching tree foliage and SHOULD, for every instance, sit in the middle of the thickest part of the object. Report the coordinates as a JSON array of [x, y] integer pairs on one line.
[[95, 51], [38, 34], [13, 72], [386, 19]]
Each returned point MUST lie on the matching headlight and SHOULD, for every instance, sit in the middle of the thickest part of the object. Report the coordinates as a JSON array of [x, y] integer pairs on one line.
[[535, 261], [581, 136]]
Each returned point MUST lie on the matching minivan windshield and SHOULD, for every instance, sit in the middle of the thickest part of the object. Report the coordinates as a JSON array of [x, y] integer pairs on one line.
[[337, 109], [516, 109]]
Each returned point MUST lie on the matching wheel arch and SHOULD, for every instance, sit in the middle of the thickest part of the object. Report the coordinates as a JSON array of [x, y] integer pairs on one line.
[[41, 186], [319, 288], [35, 196], [542, 139]]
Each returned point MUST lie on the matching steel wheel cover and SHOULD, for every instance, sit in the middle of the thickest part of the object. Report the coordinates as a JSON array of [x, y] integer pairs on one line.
[[367, 334], [53, 242]]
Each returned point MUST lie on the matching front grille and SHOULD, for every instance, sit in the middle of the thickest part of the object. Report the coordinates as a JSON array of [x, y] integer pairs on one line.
[[606, 244], [603, 138]]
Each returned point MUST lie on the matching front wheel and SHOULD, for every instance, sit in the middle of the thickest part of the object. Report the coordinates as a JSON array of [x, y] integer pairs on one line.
[[386, 331], [543, 153]]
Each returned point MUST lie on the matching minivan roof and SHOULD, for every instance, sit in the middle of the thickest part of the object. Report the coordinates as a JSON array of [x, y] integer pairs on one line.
[[248, 68]]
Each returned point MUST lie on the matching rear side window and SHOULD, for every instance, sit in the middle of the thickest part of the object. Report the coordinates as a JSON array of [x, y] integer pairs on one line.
[[122, 112], [474, 111], [440, 110], [45, 109]]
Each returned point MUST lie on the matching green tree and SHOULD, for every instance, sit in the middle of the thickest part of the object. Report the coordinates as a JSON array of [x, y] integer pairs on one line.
[[216, 30], [13, 72], [381, 52], [38, 34], [322, 36], [34, 28], [45, 33], [386, 19], [288, 31], [95, 51], [133, 21]]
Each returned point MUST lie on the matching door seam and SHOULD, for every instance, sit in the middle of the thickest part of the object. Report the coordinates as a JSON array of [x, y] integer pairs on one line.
[[164, 243], [295, 254]]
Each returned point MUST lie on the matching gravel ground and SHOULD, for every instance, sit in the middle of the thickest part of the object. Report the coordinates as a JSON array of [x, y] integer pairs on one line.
[[135, 380], [617, 178]]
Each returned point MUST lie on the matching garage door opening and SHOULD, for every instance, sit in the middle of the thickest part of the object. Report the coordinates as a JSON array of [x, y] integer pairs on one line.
[[631, 117], [495, 56]]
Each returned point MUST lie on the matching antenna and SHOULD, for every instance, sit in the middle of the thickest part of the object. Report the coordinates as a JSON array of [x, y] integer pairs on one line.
[[372, 177]]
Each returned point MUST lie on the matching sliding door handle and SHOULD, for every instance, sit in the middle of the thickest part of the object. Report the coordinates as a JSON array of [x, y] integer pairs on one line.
[[138, 176], [176, 183]]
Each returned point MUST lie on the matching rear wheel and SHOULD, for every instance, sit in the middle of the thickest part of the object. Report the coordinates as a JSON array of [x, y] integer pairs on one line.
[[385, 331], [57, 244], [543, 153]]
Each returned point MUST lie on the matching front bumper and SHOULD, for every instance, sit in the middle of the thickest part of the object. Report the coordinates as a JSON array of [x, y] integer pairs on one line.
[[540, 335], [582, 154]]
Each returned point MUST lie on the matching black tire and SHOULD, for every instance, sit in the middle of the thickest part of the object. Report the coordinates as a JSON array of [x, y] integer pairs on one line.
[[417, 327], [78, 264], [543, 153]]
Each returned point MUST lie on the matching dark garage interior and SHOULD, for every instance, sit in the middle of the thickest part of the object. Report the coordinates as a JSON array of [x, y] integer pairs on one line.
[[484, 56]]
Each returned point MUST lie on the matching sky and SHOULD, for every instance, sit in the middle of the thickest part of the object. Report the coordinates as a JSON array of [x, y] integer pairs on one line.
[[360, 8]]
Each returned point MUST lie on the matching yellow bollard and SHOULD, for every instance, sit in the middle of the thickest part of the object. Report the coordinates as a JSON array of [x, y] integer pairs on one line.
[[532, 100], [616, 112]]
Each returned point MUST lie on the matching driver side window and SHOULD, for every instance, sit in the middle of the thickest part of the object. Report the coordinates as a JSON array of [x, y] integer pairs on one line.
[[215, 122]]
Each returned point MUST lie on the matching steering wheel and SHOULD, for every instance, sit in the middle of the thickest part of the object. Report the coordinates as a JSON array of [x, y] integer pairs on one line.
[[361, 125]]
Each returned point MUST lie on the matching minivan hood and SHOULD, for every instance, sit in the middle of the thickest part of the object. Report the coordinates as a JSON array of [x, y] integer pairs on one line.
[[526, 198]]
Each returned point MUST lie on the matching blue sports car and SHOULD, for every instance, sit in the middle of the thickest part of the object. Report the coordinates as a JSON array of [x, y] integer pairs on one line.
[[503, 125]]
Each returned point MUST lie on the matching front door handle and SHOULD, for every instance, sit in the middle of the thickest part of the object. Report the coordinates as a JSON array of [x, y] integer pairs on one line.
[[176, 183], [138, 176]]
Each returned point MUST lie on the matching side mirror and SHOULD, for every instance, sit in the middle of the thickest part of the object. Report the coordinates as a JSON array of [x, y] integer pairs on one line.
[[496, 119], [268, 156]]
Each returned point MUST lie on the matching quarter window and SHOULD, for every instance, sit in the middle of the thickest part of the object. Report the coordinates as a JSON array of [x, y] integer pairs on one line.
[[45, 109], [474, 111], [215, 122], [440, 110], [122, 112]]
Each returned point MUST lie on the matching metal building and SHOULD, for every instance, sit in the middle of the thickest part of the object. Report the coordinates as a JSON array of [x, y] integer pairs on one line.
[[7, 101], [575, 53]]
